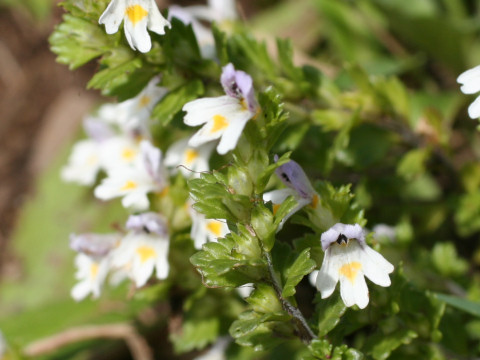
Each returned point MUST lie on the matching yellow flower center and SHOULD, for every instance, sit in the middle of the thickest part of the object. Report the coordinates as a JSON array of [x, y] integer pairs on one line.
[[128, 154], [219, 123], [314, 202], [135, 13], [190, 156], [215, 227], [144, 101], [350, 270], [129, 185], [145, 253], [93, 270]]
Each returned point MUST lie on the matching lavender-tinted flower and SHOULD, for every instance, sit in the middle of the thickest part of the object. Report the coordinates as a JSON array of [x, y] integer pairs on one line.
[[152, 157], [239, 84], [293, 176], [96, 245], [97, 129], [149, 222]]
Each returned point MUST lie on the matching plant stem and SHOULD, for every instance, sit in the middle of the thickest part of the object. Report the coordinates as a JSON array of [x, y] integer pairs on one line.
[[305, 333]]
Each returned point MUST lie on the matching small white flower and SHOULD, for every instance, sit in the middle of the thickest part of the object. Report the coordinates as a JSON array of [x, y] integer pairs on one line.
[[119, 152], [206, 230], [348, 259], [138, 15], [96, 245], [135, 182], [217, 351], [85, 161], [190, 160], [277, 197], [245, 290], [385, 231], [91, 274], [470, 81], [223, 117], [219, 11], [293, 176], [83, 164], [140, 254], [133, 115]]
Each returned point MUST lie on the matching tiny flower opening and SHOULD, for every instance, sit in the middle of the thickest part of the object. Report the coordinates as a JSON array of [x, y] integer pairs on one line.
[[348, 260]]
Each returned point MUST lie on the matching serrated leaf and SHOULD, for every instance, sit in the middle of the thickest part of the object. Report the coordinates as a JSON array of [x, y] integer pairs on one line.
[[231, 262], [264, 299], [330, 312], [302, 266], [77, 41], [381, 345], [173, 102], [110, 79]]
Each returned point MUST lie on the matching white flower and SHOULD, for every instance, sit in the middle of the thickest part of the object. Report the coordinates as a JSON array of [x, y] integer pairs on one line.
[[91, 274], [470, 81], [245, 290], [348, 259], [385, 231], [85, 161], [206, 230], [140, 254], [133, 115], [219, 11], [120, 152], [137, 16], [83, 164], [217, 351], [293, 176], [190, 160], [223, 117], [135, 182], [277, 197]]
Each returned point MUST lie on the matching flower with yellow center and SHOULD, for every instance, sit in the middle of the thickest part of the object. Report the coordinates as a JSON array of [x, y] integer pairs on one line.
[[92, 272], [137, 15], [191, 161], [205, 230], [349, 259], [142, 253], [134, 115], [223, 117], [134, 182]]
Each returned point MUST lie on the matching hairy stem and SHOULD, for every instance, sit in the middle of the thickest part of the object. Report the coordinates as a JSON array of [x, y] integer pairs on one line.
[[305, 333]]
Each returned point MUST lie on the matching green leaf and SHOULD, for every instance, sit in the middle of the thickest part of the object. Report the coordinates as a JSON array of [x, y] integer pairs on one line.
[[207, 314], [413, 163], [446, 260], [172, 103], [302, 266], [264, 299], [231, 262], [330, 312], [112, 80], [468, 306], [320, 349], [77, 41], [467, 213], [262, 223], [381, 345], [261, 331]]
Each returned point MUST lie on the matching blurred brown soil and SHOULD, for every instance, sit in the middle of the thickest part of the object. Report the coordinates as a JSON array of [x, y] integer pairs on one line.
[[41, 103]]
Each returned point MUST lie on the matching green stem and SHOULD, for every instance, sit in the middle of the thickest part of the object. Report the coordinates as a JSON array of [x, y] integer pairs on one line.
[[304, 332]]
